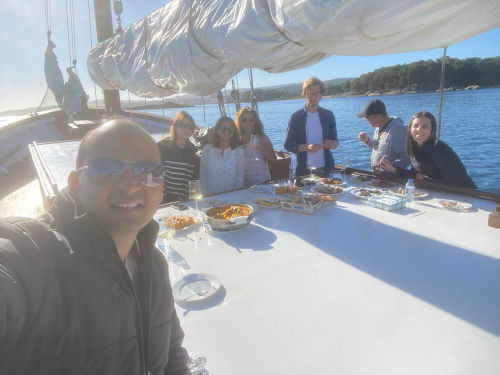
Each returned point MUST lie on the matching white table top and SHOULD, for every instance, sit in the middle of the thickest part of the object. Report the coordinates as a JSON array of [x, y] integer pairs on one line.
[[351, 289]]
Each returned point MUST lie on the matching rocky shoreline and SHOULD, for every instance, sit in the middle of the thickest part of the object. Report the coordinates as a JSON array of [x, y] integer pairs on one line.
[[412, 89]]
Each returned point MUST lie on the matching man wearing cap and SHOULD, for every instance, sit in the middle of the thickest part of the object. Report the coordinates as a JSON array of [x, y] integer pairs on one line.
[[83, 290], [389, 138]]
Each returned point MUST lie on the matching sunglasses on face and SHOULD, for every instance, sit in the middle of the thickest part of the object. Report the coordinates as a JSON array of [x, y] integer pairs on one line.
[[245, 120], [106, 171], [183, 125], [225, 129]]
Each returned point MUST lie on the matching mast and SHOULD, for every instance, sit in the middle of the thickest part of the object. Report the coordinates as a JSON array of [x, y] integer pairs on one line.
[[104, 29]]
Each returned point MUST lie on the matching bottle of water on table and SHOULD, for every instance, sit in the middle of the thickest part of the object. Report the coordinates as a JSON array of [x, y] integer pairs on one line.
[[409, 191]]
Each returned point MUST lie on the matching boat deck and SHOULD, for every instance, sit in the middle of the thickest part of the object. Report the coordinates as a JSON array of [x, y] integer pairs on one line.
[[26, 201]]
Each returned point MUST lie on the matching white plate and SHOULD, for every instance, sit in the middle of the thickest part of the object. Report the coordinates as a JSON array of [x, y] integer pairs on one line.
[[191, 226], [315, 190], [195, 287], [420, 195], [260, 188], [330, 178], [454, 205], [356, 192], [269, 199], [374, 181], [307, 182]]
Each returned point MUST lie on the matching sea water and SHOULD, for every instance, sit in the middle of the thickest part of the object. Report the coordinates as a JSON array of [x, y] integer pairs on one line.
[[470, 125]]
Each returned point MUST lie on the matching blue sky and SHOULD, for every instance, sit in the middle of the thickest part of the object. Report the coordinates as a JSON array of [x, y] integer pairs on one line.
[[23, 41]]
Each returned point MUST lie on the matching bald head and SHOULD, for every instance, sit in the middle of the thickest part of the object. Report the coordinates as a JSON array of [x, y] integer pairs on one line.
[[117, 134]]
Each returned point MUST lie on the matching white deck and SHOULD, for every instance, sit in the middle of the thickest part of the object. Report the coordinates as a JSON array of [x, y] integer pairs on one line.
[[350, 290]]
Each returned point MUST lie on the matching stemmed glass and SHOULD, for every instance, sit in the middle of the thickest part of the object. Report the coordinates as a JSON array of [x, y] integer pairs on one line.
[[254, 141], [347, 163], [311, 167], [195, 193], [291, 169]]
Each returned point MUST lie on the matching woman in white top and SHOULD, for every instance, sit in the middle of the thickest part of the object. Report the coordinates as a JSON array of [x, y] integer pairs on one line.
[[259, 150], [222, 160]]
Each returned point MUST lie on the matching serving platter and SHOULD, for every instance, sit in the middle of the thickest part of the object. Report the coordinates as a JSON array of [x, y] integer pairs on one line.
[[454, 205], [261, 188], [365, 193], [418, 194], [329, 190], [267, 202]]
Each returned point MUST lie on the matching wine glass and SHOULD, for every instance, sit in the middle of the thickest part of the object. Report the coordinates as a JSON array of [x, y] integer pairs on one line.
[[291, 169], [254, 141], [347, 163], [167, 225], [195, 193], [311, 165]]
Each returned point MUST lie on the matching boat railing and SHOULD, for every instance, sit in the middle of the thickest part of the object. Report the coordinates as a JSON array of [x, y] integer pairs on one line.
[[48, 184]]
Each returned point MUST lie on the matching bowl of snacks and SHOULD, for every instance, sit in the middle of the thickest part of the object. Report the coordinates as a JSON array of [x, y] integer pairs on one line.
[[229, 216], [285, 189]]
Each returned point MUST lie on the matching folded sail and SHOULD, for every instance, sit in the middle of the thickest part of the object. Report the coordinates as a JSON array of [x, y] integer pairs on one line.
[[196, 46]]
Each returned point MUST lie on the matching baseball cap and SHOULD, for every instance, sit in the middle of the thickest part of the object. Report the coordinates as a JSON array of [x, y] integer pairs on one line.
[[374, 107]]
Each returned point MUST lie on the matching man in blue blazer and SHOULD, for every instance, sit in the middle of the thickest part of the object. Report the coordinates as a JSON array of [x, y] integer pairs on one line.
[[312, 132]]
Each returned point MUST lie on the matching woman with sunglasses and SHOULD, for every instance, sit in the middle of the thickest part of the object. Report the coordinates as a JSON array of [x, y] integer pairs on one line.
[[222, 160], [258, 148], [180, 162], [430, 161]]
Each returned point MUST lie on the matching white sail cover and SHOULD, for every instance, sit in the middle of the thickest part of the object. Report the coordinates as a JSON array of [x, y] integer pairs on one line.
[[196, 46]]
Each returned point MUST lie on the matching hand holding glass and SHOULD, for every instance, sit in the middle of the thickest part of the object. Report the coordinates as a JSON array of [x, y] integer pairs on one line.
[[254, 143], [195, 193]]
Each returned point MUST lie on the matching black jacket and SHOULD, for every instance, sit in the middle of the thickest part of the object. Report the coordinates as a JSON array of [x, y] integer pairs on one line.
[[180, 165], [440, 164], [70, 307]]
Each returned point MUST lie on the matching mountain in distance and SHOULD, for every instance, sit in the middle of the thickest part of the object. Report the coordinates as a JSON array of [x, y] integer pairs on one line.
[[289, 88]]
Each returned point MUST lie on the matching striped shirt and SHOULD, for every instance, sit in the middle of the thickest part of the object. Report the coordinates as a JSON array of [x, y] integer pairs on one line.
[[180, 165]]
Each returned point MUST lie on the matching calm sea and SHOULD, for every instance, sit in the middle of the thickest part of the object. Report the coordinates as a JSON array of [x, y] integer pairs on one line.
[[470, 125]]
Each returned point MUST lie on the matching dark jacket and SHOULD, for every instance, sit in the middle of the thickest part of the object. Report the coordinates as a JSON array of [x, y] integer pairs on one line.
[[296, 135], [439, 164], [70, 307], [180, 165]]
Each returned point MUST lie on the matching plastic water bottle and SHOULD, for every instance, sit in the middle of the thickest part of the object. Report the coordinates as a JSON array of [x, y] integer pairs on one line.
[[409, 190]]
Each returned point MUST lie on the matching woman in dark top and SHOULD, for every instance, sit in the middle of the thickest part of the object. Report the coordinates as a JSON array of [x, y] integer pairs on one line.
[[180, 162], [435, 162]]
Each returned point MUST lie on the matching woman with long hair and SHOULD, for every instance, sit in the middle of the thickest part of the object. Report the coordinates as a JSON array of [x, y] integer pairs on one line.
[[222, 160], [432, 161], [258, 148], [180, 162]]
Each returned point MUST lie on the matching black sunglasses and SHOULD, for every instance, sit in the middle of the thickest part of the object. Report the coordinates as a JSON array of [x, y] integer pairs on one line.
[[225, 129], [245, 120], [183, 125], [107, 170]]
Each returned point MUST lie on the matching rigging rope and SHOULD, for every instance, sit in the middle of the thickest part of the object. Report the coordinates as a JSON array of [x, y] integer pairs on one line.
[[220, 101], [253, 98], [227, 103], [92, 46], [67, 32], [204, 115], [48, 16], [235, 94], [441, 84]]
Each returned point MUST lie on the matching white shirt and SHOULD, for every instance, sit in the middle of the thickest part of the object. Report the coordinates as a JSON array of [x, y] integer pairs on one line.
[[314, 134], [221, 171]]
